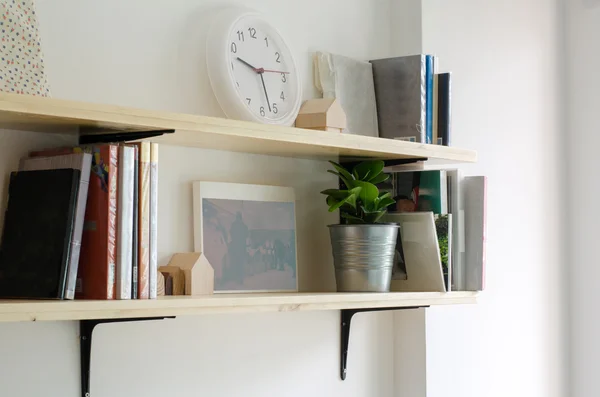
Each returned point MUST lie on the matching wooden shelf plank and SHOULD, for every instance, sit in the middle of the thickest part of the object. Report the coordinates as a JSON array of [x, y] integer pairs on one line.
[[18, 310], [30, 113]]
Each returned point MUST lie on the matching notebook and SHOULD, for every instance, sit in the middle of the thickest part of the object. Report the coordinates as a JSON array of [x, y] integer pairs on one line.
[[82, 162], [38, 229]]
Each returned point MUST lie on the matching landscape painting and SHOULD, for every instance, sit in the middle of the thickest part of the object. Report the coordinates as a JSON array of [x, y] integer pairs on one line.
[[250, 244]]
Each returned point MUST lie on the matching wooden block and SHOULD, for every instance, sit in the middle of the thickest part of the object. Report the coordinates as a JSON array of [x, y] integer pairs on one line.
[[168, 285], [323, 114], [160, 284], [198, 273], [178, 278]]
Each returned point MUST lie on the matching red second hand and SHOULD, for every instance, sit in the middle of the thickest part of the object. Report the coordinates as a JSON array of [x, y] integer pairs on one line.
[[262, 70]]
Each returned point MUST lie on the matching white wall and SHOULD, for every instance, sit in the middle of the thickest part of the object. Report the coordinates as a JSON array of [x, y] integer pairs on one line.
[[150, 54], [505, 56], [583, 96]]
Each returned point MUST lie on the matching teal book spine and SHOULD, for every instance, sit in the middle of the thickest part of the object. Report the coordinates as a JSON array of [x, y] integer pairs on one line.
[[429, 99]]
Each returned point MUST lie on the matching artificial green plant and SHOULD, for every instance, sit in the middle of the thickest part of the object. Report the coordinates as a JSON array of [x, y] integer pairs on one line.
[[360, 201]]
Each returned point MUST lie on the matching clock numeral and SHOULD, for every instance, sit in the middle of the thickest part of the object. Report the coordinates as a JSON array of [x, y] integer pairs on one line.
[[283, 78], [282, 96], [277, 57], [275, 110], [252, 32], [249, 100], [262, 111], [240, 35], [233, 48], [267, 41]]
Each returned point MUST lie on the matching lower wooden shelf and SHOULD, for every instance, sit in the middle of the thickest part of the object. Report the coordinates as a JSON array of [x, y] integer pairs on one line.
[[21, 310]]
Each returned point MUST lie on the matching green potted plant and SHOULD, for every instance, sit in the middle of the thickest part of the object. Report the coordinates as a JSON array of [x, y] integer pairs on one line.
[[363, 249]]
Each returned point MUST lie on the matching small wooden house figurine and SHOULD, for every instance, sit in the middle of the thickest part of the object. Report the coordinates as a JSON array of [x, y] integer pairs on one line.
[[324, 114], [198, 274]]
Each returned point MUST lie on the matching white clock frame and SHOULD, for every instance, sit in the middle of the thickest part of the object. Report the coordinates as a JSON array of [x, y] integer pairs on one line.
[[221, 76]]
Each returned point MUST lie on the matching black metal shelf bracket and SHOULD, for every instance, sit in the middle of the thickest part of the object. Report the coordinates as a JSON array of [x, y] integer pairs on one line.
[[388, 163], [346, 320], [86, 330], [121, 136]]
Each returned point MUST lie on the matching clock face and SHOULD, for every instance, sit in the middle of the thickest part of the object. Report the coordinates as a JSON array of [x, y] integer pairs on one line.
[[252, 70], [262, 68]]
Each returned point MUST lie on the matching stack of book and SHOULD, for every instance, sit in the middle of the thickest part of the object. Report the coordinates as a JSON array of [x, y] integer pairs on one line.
[[81, 222], [413, 99]]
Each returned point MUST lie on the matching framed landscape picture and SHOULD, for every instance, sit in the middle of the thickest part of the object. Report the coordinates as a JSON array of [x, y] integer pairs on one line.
[[248, 234]]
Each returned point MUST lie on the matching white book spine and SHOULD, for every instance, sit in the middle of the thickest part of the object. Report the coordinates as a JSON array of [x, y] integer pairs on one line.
[[455, 205], [153, 266], [125, 222], [444, 191], [475, 232]]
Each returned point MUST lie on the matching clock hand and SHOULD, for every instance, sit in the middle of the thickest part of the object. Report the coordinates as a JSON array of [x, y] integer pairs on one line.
[[247, 64], [265, 88], [273, 71], [260, 70]]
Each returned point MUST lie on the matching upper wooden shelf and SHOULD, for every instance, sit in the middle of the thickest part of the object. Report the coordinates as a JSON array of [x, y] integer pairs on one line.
[[30, 113], [19, 310]]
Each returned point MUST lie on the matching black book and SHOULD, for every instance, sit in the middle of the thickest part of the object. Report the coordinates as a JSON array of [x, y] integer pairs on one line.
[[444, 108], [38, 228]]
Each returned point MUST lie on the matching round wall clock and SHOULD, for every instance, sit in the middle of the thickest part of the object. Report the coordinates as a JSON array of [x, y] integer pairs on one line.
[[251, 69]]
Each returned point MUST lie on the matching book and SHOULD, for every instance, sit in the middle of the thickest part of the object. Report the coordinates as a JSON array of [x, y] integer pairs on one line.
[[134, 250], [435, 140], [153, 267], [400, 94], [350, 81], [444, 110], [420, 191], [96, 272], [429, 99], [443, 230], [455, 207], [144, 222], [38, 230], [125, 222], [474, 188], [83, 163]]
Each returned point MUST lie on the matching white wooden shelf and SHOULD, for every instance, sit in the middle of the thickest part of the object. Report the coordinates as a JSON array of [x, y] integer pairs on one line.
[[23, 112], [20, 310]]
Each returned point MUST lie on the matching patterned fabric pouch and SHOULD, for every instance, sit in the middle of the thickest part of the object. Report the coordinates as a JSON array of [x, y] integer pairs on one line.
[[21, 63]]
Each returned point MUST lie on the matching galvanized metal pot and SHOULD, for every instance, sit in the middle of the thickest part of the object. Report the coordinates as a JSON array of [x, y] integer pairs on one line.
[[363, 256]]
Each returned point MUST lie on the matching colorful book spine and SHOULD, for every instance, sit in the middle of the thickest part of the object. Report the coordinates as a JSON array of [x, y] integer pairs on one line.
[[83, 163], [435, 140], [153, 220], [97, 260], [429, 99], [144, 222], [125, 222]]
